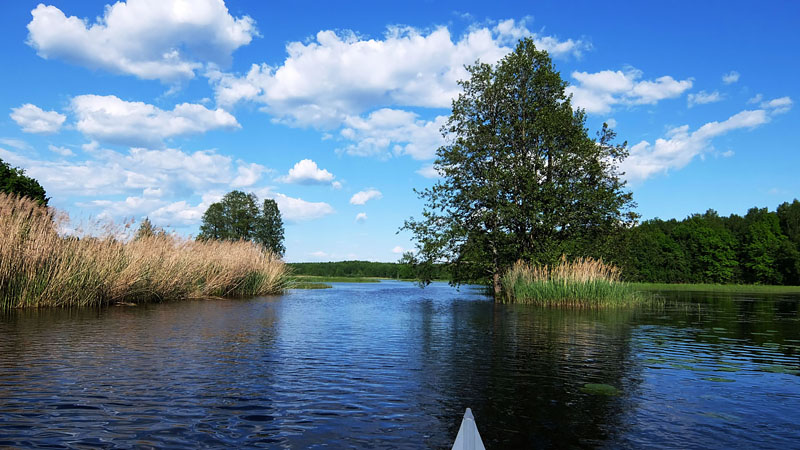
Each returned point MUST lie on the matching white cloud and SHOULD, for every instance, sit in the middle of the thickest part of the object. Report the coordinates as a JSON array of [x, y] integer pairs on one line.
[[157, 183], [398, 249], [730, 77], [111, 119], [307, 172], [362, 197], [16, 143], [778, 105], [429, 171], [336, 75], [166, 40], [681, 146], [703, 97], [336, 185], [756, 99], [298, 210], [611, 122], [598, 92], [63, 151], [392, 131], [33, 119], [247, 174], [361, 217]]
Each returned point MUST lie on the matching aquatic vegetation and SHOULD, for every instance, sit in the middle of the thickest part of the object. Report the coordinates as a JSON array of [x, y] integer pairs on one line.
[[777, 368], [39, 266], [600, 389], [581, 283], [719, 380]]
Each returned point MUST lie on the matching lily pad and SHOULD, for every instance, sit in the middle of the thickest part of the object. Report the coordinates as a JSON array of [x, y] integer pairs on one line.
[[727, 369], [600, 389], [719, 379]]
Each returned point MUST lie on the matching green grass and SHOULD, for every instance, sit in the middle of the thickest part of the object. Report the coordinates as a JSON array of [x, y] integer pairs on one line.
[[308, 285], [732, 288], [582, 283]]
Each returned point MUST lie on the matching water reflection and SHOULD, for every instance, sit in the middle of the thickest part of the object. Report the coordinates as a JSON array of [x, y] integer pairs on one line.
[[391, 366]]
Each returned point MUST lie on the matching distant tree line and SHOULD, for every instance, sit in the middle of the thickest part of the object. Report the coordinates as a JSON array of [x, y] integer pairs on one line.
[[761, 247], [364, 269]]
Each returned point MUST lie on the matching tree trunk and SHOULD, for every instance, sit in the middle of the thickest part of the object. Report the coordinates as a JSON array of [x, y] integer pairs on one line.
[[496, 282]]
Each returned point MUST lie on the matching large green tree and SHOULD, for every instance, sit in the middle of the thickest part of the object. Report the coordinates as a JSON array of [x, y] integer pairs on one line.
[[237, 217], [521, 177], [14, 181]]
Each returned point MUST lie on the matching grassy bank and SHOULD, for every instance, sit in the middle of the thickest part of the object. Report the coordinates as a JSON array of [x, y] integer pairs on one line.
[[583, 283], [732, 288], [40, 267]]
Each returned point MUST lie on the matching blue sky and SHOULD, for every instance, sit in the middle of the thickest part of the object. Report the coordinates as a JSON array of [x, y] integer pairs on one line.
[[158, 107]]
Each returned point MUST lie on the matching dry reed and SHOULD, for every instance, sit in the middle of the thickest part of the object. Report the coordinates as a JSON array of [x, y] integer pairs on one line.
[[584, 282], [40, 267]]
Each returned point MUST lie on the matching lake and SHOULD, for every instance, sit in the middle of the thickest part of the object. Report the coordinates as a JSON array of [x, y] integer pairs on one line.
[[390, 365]]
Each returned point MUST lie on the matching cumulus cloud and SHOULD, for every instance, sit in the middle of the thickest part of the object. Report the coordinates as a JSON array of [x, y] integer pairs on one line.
[[157, 183], [167, 40], [778, 105], [247, 174], [398, 249], [33, 119], [337, 75], [298, 210], [703, 97], [730, 77], [428, 171], [361, 217], [306, 171], [63, 151], [392, 131], [681, 145], [362, 197], [111, 119], [600, 91]]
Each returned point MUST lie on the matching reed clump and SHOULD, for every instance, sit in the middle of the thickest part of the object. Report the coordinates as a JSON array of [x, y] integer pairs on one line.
[[580, 283], [41, 267]]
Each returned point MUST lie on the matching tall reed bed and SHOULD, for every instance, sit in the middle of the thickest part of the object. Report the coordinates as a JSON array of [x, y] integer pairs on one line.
[[40, 267], [581, 283]]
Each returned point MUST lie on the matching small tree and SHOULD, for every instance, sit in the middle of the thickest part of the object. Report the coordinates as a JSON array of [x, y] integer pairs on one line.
[[521, 177], [237, 217], [147, 229], [14, 181], [269, 228]]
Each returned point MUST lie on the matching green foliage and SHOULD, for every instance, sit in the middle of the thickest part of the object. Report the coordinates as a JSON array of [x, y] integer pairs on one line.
[[759, 248], [269, 228], [237, 217], [14, 181], [712, 249], [521, 177], [147, 230]]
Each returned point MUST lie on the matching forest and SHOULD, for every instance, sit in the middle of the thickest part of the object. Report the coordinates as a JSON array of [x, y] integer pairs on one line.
[[761, 247]]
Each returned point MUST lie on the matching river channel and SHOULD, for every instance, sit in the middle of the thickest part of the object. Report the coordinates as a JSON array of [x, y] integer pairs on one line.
[[390, 365]]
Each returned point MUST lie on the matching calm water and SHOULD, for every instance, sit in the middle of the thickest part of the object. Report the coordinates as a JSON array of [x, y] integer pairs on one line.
[[392, 366]]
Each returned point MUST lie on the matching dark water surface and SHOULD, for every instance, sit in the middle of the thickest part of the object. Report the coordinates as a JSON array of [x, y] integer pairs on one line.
[[392, 366]]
